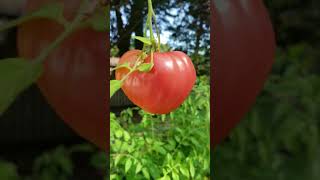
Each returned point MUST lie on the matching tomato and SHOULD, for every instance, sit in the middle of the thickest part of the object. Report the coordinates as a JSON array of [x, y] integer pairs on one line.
[[75, 75], [165, 87], [243, 49]]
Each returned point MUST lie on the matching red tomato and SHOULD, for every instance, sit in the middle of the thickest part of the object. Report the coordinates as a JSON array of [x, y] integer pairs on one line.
[[165, 87], [75, 74], [243, 49]]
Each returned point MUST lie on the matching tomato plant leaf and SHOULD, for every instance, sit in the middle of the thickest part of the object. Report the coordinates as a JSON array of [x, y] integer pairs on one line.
[[117, 159], [115, 85], [184, 171], [145, 173], [145, 67], [143, 39], [138, 168], [128, 165], [175, 176], [192, 170], [16, 75]]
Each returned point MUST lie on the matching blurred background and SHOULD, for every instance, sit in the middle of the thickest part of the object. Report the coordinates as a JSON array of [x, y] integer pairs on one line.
[[280, 137], [35, 144]]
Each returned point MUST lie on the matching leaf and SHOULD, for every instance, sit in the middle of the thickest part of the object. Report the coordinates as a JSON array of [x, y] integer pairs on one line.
[[138, 168], [184, 171], [128, 165], [145, 67], [175, 176], [143, 39], [117, 159], [192, 170], [146, 173], [16, 75], [115, 85], [119, 133]]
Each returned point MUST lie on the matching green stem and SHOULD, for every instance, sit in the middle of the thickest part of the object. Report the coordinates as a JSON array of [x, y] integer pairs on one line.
[[150, 13], [157, 30], [13, 23], [76, 23]]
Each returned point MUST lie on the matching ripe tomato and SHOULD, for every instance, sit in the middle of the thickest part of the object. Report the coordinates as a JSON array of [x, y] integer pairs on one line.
[[243, 49], [75, 74], [165, 87]]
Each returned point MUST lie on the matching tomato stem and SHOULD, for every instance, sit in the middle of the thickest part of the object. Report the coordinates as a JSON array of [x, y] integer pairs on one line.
[[69, 28]]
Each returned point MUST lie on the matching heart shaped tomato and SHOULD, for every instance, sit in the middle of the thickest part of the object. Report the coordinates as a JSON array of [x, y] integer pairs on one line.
[[74, 80], [165, 87], [243, 47]]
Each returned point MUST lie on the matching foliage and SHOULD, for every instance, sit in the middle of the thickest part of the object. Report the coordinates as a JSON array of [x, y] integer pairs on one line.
[[145, 146], [58, 163], [280, 138]]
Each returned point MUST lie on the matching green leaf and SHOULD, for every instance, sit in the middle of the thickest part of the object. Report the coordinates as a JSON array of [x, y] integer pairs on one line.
[[16, 75], [184, 171], [117, 159], [192, 170], [126, 136], [138, 168], [128, 165], [146, 173], [143, 39], [175, 176], [119, 133], [145, 67], [124, 65], [115, 85]]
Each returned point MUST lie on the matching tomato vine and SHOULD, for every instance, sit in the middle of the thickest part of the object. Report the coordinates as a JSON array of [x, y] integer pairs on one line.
[[150, 45], [18, 74]]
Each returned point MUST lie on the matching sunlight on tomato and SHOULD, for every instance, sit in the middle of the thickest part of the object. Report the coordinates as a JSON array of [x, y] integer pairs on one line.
[[165, 87]]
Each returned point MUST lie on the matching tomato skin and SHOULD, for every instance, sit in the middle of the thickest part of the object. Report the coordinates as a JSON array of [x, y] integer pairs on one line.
[[165, 87], [75, 76], [243, 49]]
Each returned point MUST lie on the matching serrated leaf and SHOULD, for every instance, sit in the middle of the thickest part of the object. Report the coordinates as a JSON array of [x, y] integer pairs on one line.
[[128, 165], [115, 85], [16, 75], [143, 39], [138, 168], [145, 67]]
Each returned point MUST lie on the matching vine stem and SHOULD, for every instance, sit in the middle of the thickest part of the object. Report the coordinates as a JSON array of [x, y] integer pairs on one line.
[[69, 28]]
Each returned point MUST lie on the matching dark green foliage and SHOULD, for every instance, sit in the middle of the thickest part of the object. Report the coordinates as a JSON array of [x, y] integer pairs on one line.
[[280, 138]]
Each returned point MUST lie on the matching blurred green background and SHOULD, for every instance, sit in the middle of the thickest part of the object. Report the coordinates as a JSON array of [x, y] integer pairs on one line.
[[279, 139]]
